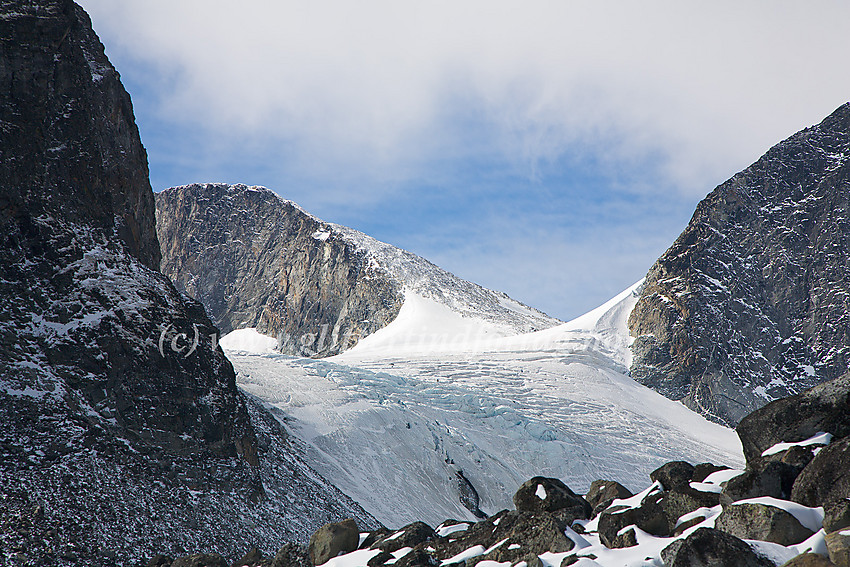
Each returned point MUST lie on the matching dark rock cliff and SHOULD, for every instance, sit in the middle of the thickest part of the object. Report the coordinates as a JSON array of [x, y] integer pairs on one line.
[[120, 420], [751, 303], [255, 260]]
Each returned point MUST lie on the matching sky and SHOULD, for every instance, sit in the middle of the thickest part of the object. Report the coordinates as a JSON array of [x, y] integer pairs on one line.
[[550, 150]]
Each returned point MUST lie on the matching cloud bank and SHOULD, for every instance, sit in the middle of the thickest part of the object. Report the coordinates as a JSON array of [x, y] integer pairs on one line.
[[345, 106]]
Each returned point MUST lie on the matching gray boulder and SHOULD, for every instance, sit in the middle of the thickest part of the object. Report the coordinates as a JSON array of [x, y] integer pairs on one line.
[[602, 492], [838, 544], [762, 522], [708, 547], [825, 407], [826, 478], [291, 555], [541, 494], [776, 480], [809, 560], [200, 560], [411, 536], [836, 515], [333, 539], [675, 475], [649, 516], [677, 503]]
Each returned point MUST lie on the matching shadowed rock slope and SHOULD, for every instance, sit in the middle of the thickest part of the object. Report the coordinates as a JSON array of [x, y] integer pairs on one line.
[[256, 260], [751, 303], [117, 435]]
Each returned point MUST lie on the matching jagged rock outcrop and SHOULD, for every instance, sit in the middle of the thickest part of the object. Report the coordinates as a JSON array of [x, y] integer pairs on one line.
[[256, 260], [121, 428], [750, 303]]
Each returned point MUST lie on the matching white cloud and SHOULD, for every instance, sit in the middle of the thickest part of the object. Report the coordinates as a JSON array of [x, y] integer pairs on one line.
[[380, 85], [362, 109]]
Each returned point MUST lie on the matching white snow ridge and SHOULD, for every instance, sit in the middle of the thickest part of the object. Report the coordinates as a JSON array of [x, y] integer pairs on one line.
[[440, 392]]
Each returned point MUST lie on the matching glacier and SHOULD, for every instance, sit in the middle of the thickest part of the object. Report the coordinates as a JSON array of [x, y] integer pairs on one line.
[[441, 397]]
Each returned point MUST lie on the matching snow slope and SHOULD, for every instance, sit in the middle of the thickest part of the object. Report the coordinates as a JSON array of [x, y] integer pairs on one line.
[[393, 421]]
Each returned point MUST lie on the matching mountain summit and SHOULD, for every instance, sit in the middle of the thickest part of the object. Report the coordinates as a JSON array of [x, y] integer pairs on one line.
[[750, 303], [257, 260]]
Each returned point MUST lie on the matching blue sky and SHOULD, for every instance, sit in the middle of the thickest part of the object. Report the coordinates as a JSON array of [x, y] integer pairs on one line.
[[551, 150]]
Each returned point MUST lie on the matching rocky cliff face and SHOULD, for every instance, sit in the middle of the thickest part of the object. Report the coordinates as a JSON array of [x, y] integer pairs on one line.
[[256, 260], [121, 427], [750, 304]]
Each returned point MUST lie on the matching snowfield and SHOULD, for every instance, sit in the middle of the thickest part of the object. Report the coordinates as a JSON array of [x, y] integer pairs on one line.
[[436, 397]]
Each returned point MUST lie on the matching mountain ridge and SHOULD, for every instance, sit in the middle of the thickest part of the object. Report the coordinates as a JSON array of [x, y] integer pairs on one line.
[[121, 433], [750, 302], [258, 260]]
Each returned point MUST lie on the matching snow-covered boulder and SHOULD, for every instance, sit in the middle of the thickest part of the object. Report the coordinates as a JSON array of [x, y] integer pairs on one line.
[[541, 494], [761, 521], [602, 492], [708, 547]]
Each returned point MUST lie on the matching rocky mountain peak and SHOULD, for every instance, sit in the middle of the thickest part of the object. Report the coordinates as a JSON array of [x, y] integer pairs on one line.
[[749, 304], [257, 260]]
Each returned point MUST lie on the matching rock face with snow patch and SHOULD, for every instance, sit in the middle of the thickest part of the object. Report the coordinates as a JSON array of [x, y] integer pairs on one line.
[[750, 303], [121, 427], [256, 260]]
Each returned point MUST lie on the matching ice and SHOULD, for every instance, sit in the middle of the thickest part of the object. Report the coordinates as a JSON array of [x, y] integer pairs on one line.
[[392, 421], [444, 531], [248, 341]]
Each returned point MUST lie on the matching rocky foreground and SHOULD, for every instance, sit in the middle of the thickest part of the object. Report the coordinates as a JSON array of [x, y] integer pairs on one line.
[[790, 506]]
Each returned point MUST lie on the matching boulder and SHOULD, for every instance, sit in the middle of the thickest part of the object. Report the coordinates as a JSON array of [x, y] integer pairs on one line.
[[627, 538], [708, 547], [200, 560], [675, 475], [541, 494], [417, 558], [836, 515], [776, 480], [332, 539], [752, 520], [838, 544], [809, 560], [410, 535], [291, 555], [685, 526], [678, 503], [825, 407], [373, 537], [522, 534], [796, 456], [649, 516], [527, 534], [252, 559], [603, 492], [826, 478]]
